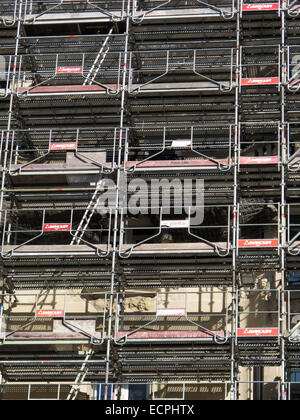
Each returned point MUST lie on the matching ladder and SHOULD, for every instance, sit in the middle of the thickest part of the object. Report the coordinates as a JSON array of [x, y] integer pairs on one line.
[[80, 377], [94, 70], [88, 214]]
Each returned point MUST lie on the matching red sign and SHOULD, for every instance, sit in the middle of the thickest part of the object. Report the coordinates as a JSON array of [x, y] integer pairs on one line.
[[54, 227], [63, 146], [171, 312], [257, 332], [258, 243], [258, 160], [260, 81], [260, 7], [68, 70], [51, 313]]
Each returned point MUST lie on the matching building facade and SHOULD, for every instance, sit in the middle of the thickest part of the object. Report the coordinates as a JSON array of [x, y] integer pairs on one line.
[[150, 213]]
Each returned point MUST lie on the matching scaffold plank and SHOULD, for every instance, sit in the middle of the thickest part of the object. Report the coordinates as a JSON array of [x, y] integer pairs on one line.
[[162, 335]]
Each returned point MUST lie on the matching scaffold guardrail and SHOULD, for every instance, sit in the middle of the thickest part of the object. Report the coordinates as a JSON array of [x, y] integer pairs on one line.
[[53, 318], [206, 237], [69, 11], [70, 74], [260, 66], [258, 315], [154, 391], [159, 71], [28, 234], [174, 317], [164, 148], [251, 217], [56, 151], [152, 9]]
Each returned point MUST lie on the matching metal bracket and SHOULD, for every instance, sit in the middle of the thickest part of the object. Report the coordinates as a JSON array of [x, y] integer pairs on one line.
[[224, 14], [222, 252]]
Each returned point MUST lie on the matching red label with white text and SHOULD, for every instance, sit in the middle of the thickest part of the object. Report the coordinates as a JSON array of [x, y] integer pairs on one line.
[[260, 7], [260, 81], [258, 160], [55, 227], [63, 146], [171, 312], [257, 332], [258, 243], [51, 313], [68, 70]]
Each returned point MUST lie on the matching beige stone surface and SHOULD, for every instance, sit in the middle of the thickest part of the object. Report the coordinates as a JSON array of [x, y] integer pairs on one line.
[[270, 384]]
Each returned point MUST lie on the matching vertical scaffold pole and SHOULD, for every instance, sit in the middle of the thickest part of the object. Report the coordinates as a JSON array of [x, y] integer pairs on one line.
[[10, 111], [233, 393], [9, 122], [116, 209], [283, 192]]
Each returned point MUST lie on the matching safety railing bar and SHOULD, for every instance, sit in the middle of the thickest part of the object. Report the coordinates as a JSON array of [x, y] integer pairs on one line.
[[20, 167], [217, 337], [123, 339], [33, 19], [105, 12], [47, 80], [11, 252], [220, 165], [145, 13], [222, 252], [138, 89], [74, 317], [72, 327], [127, 253], [105, 167], [133, 167], [30, 88], [221, 85], [224, 13], [28, 324]]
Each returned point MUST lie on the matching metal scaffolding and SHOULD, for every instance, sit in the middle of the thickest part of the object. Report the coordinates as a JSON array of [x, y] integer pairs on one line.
[[96, 96]]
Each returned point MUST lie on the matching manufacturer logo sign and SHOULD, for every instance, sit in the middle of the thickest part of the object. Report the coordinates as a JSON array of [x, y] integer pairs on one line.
[[63, 146], [260, 7], [258, 243], [257, 332], [55, 227], [258, 160], [68, 70], [175, 223], [51, 313], [171, 312], [260, 81]]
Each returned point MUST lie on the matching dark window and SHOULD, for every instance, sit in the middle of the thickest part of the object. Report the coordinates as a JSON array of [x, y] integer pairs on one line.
[[295, 387], [138, 392]]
